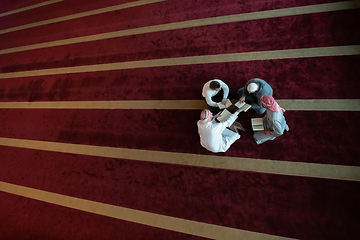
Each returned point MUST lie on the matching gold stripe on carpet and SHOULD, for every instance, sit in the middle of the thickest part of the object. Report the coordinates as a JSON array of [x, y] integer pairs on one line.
[[29, 7], [337, 6], [300, 169], [80, 15], [141, 217], [205, 59], [288, 104]]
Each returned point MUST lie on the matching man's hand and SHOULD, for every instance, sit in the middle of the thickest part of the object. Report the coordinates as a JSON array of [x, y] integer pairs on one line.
[[267, 131], [240, 110], [223, 101], [242, 99], [215, 116]]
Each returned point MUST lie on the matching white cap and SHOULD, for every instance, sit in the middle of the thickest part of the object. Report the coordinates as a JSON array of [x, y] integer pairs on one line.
[[252, 87]]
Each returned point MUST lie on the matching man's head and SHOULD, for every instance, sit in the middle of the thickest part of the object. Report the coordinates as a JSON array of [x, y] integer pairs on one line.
[[269, 102], [252, 87], [215, 85], [206, 115]]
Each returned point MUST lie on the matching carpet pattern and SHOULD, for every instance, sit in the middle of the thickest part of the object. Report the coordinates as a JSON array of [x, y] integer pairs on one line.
[[276, 205]]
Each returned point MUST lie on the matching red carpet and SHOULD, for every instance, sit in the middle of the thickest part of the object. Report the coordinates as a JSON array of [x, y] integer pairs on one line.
[[152, 14], [276, 204], [248, 36], [214, 196], [292, 79], [165, 130], [58, 222]]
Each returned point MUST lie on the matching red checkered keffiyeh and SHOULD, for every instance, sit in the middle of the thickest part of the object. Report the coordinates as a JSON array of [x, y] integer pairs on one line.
[[205, 115], [270, 103]]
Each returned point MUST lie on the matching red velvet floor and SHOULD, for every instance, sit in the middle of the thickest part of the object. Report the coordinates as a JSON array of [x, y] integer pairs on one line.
[[248, 36], [292, 78], [289, 206], [228, 198], [116, 128]]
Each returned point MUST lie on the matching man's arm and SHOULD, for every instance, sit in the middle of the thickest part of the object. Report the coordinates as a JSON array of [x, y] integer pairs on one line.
[[206, 92], [265, 90], [256, 106], [232, 117], [225, 88], [242, 99], [209, 101], [278, 131]]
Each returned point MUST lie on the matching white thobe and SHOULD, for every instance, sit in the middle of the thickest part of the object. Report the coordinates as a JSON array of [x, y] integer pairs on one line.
[[215, 137], [208, 93], [275, 121]]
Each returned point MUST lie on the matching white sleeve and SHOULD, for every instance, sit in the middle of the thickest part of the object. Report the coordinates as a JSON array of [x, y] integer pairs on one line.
[[209, 101], [206, 92], [231, 119], [225, 88]]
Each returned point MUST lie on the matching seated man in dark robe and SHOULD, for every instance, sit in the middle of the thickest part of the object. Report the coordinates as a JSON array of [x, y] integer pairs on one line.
[[252, 93]]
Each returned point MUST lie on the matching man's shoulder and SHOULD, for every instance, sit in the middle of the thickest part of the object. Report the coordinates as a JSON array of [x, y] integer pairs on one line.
[[206, 128], [217, 80], [263, 85], [257, 80], [206, 86]]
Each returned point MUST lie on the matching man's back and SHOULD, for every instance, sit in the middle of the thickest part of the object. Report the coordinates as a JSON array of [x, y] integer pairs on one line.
[[210, 135]]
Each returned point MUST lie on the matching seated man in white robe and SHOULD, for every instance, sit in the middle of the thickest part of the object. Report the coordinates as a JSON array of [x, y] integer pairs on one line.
[[214, 136], [216, 91], [274, 121]]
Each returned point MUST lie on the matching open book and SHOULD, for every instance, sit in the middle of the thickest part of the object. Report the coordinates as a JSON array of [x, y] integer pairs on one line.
[[257, 124], [224, 115], [243, 105], [222, 106]]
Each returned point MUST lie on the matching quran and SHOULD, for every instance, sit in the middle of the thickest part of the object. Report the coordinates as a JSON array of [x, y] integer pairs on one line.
[[224, 115], [222, 106], [243, 105], [257, 124]]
